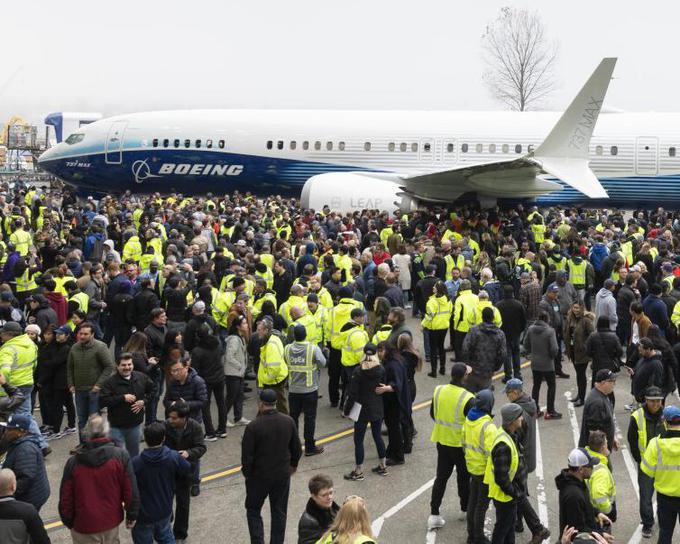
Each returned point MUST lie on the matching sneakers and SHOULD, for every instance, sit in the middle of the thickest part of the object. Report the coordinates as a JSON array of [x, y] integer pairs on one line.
[[54, 436], [241, 422], [394, 462], [646, 532], [70, 430], [210, 438], [380, 470], [432, 374], [562, 375], [315, 451], [354, 476], [435, 522], [540, 536], [553, 415], [223, 434]]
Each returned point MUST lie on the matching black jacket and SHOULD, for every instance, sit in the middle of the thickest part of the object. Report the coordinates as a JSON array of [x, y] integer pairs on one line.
[[361, 389], [604, 349], [189, 338], [122, 311], [423, 292], [598, 415], [112, 395], [193, 392], [25, 458], [648, 372], [156, 340], [20, 522], [207, 359], [52, 373], [189, 438], [315, 521], [574, 501], [270, 447], [624, 298], [175, 304], [144, 301], [514, 317]]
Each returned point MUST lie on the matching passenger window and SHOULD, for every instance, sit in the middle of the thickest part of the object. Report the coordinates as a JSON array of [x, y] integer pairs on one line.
[[187, 143], [166, 142], [279, 144], [427, 147], [208, 144], [402, 146], [390, 146], [155, 142], [492, 148], [176, 142], [367, 146], [614, 150], [479, 148], [671, 152], [414, 147], [305, 145], [293, 145], [317, 146], [449, 148], [530, 148], [221, 144], [198, 143], [329, 146], [598, 150], [270, 144], [341, 146], [506, 148], [518, 148], [464, 148]]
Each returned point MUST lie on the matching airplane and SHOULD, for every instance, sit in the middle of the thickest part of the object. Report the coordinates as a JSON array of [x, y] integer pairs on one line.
[[388, 160]]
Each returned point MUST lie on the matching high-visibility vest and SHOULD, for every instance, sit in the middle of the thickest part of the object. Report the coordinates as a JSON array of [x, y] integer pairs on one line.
[[268, 259], [451, 234], [285, 228], [3, 257], [448, 407], [437, 313], [382, 334], [82, 299], [309, 324], [157, 245], [267, 276], [338, 318], [498, 321], [273, 368], [661, 461], [451, 263], [221, 306], [577, 273], [18, 358], [325, 298], [26, 282], [478, 436], [495, 492], [558, 263], [21, 241], [353, 346], [320, 317], [675, 318], [344, 262], [654, 252], [385, 234], [258, 302], [641, 420], [669, 281], [145, 261], [307, 368], [524, 263], [601, 485], [132, 249], [61, 281], [539, 232], [330, 539], [464, 310], [293, 300], [533, 214], [627, 251]]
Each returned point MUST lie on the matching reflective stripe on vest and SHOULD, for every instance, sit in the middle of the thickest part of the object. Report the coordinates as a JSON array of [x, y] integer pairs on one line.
[[641, 420], [495, 492], [26, 282], [308, 367]]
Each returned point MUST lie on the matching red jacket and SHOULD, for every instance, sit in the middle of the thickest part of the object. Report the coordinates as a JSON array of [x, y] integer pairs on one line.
[[59, 304], [97, 482]]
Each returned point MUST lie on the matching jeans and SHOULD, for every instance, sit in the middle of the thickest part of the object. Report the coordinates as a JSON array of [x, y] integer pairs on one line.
[[512, 367], [437, 350], [334, 372], [234, 387], [504, 529], [128, 438], [478, 504], [216, 389], [526, 511], [549, 378], [26, 408], [159, 531], [668, 510], [449, 457], [256, 493], [87, 404], [646, 485], [359, 433], [426, 344], [305, 403]]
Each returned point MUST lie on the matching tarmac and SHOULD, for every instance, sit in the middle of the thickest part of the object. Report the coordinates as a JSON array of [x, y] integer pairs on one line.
[[398, 503]]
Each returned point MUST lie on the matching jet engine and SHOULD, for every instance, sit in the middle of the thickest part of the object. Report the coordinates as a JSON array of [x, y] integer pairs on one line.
[[351, 191]]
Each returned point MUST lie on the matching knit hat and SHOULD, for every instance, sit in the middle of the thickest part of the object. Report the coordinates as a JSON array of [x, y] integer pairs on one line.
[[484, 401], [510, 412], [33, 328]]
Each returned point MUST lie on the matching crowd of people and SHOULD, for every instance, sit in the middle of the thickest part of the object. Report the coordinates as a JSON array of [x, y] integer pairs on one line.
[[153, 310]]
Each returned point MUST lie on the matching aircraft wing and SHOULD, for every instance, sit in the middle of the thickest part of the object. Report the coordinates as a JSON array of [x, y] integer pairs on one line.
[[562, 155]]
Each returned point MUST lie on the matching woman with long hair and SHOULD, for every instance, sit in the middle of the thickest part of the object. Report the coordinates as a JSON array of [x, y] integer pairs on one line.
[[235, 366], [412, 361], [352, 524]]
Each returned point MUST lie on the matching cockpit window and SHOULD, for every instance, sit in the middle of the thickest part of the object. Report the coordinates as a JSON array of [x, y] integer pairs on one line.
[[75, 138]]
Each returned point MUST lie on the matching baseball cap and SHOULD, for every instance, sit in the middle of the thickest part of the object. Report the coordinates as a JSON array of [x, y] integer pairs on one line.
[[604, 375], [62, 330], [554, 288], [579, 457], [268, 396], [18, 421], [515, 384], [241, 243], [672, 415]]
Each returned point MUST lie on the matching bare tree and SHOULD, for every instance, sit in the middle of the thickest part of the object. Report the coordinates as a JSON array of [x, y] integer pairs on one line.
[[519, 59]]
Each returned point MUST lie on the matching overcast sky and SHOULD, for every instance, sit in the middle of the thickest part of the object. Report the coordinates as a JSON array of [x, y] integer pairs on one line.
[[124, 56]]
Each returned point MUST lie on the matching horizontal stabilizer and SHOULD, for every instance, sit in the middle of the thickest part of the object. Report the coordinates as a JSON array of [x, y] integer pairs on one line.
[[574, 172]]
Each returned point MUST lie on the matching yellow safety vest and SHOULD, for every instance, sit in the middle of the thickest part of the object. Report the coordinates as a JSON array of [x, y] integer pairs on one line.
[[268, 259], [320, 317], [559, 264], [220, 307], [21, 241], [539, 232], [577, 273], [344, 262], [325, 298], [382, 334], [641, 420], [309, 324], [451, 234], [307, 368], [495, 492], [339, 316], [257, 304], [61, 281], [478, 436], [498, 321], [437, 313], [385, 234], [661, 461], [448, 407], [82, 299], [132, 249], [18, 358], [353, 346], [273, 368], [267, 276], [601, 485], [464, 310], [627, 251], [286, 306], [669, 280], [26, 282], [451, 263]]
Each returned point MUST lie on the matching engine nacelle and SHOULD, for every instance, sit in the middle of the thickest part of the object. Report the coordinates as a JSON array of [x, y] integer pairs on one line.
[[349, 192]]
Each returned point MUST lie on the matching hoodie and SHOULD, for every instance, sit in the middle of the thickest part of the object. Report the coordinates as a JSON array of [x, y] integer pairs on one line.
[[97, 483], [156, 470], [574, 501], [605, 304], [59, 304]]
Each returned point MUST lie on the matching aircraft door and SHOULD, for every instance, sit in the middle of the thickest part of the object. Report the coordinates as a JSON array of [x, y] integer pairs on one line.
[[647, 156], [114, 143]]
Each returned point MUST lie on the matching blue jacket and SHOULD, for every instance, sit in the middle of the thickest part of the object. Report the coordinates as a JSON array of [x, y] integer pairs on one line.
[[156, 470], [656, 311], [25, 458]]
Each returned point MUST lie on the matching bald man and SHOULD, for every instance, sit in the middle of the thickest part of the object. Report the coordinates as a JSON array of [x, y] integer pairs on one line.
[[20, 522]]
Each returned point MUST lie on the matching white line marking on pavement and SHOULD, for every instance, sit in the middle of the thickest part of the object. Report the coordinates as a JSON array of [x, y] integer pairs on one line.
[[575, 429], [377, 524], [540, 488]]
